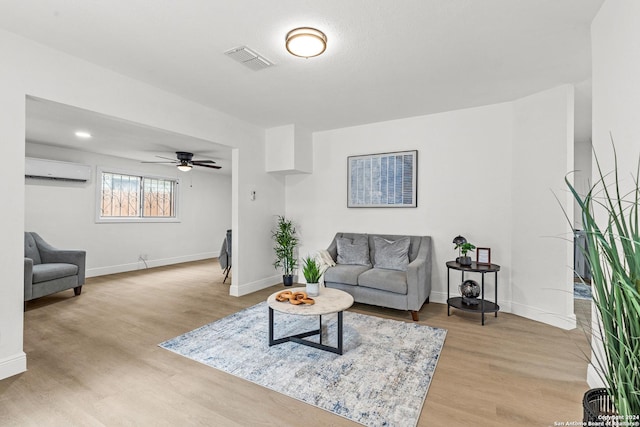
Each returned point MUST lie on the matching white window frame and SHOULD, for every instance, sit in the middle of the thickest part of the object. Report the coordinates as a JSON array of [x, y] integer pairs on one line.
[[100, 219]]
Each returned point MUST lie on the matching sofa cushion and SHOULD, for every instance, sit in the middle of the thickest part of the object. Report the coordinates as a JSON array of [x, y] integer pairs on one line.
[[343, 273], [45, 272], [386, 280], [391, 254], [31, 248], [353, 251]]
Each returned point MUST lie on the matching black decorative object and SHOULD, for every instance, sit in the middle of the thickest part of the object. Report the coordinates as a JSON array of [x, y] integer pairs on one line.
[[458, 241], [596, 405], [470, 291]]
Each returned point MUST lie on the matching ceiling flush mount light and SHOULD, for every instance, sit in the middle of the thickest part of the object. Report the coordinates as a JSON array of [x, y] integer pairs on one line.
[[83, 134], [184, 166], [306, 42]]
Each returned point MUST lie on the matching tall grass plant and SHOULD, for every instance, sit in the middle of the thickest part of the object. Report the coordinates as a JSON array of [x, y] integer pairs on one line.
[[610, 219]]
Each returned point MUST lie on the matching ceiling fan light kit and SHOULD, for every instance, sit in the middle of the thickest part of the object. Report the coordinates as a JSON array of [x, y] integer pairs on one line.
[[83, 134], [184, 167], [306, 42]]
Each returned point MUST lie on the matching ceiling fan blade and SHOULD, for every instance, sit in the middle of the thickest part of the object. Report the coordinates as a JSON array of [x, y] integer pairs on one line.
[[208, 166], [161, 162], [202, 161], [166, 158]]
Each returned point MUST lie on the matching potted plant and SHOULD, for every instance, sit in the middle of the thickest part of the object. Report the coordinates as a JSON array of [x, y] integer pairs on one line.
[[286, 241], [312, 274], [463, 248], [611, 222]]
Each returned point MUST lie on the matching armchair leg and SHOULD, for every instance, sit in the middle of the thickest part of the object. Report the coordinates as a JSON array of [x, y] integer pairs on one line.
[[77, 290], [414, 315]]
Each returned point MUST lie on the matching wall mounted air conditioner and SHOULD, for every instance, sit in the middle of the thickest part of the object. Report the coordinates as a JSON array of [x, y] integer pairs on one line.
[[52, 169]]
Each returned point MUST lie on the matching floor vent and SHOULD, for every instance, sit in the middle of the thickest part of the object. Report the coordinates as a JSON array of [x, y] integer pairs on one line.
[[246, 56]]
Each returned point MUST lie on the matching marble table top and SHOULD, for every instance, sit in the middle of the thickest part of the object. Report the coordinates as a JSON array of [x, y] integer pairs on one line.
[[328, 301]]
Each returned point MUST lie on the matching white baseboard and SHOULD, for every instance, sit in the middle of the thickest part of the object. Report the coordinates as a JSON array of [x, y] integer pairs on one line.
[[563, 322], [122, 268], [13, 365], [438, 297], [567, 322], [593, 379], [247, 288]]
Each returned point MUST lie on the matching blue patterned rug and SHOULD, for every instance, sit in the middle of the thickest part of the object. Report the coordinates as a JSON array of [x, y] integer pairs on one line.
[[581, 291], [381, 379]]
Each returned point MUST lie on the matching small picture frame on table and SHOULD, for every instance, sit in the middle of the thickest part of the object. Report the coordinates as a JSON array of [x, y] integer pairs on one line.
[[483, 256]]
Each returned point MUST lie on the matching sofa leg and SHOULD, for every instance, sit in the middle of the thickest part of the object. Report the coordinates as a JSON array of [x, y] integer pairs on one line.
[[427, 301], [77, 290], [414, 315]]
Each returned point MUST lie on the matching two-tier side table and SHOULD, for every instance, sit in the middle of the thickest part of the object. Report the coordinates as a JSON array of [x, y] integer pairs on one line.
[[483, 306]]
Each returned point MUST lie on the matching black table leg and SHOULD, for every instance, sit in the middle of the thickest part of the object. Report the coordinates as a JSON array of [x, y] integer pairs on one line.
[[448, 306], [300, 338], [340, 332], [496, 295], [482, 299], [270, 326]]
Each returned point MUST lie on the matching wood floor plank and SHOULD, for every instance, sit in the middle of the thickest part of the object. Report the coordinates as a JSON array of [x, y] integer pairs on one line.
[[93, 360]]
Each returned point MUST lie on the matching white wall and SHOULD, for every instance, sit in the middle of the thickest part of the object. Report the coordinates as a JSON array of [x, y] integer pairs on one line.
[[255, 220], [582, 146], [581, 176], [542, 237], [28, 68], [616, 94], [466, 185], [64, 214]]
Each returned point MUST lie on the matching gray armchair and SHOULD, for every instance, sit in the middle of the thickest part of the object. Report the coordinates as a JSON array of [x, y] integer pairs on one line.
[[48, 270]]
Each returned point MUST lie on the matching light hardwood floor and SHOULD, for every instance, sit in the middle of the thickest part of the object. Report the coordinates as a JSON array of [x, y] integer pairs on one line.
[[93, 360]]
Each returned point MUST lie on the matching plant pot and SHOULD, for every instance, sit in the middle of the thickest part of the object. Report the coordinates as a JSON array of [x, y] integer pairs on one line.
[[287, 279], [464, 260], [313, 289], [596, 404]]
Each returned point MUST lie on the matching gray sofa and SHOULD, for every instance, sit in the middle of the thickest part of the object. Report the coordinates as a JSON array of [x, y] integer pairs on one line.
[[396, 277], [48, 270]]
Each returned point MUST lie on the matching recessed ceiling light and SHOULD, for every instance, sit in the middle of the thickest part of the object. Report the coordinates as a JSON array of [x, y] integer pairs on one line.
[[83, 134], [306, 42]]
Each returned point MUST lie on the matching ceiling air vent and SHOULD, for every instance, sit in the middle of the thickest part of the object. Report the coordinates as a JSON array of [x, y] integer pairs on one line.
[[246, 56]]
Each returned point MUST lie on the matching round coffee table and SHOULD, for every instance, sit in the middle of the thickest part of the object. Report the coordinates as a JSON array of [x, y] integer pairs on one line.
[[328, 301]]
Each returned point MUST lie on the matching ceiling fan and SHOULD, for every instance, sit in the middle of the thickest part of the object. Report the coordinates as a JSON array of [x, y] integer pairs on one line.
[[185, 161]]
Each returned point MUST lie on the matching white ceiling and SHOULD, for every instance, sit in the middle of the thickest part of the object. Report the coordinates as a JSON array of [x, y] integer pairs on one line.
[[52, 123], [385, 59]]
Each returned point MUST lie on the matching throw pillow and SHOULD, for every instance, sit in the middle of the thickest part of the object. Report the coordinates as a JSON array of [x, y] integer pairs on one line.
[[392, 255], [353, 251]]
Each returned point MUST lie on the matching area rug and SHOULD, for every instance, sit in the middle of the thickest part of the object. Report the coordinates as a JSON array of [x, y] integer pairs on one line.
[[581, 291], [381, 379]]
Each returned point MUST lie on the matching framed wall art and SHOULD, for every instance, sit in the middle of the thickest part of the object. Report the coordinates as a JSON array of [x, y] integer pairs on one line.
[[385, 180]]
